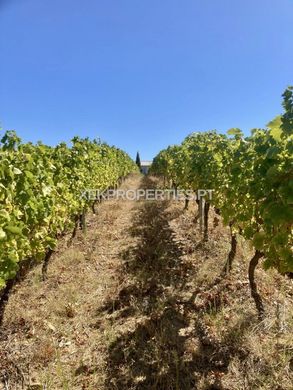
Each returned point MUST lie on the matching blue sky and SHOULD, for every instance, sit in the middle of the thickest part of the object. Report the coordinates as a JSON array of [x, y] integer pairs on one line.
[[142, 74]]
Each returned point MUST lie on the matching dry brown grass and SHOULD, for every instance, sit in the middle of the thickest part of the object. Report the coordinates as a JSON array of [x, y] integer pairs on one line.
[[137, 304], [50, 336]]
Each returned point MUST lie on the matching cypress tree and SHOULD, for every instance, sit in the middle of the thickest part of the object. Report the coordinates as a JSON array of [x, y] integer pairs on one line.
[[137, 160]]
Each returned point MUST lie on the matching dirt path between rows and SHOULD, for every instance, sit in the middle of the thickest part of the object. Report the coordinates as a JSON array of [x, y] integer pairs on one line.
[[137, 303]]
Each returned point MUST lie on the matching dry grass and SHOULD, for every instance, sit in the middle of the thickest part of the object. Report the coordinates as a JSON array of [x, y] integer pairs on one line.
[[137, 304], [51, 336]]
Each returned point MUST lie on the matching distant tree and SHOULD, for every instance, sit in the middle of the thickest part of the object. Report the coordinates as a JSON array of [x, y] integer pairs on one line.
[[287, 118], [137, 160]]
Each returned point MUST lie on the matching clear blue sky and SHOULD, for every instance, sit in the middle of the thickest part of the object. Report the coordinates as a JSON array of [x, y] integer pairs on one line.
[[142, 74]]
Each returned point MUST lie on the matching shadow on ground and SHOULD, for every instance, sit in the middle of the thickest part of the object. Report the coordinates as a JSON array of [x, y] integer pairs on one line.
[[162, 349]]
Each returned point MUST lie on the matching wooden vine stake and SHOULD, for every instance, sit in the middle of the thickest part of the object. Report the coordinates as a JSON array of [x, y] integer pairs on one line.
[[201, 214]]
